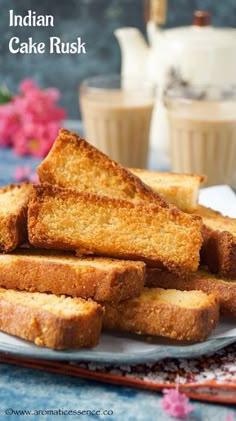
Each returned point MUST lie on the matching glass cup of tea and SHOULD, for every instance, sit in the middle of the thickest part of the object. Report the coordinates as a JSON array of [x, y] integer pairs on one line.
[[116, 114], [202, 127]]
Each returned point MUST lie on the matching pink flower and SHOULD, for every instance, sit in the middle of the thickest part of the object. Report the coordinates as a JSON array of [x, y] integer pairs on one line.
[[31, 120], [9, 123], [24, 173], [53, 94], [229, 417], [175, 403], [26, 85], [19, 142], [34, 178], [20, 173], [34, 138]]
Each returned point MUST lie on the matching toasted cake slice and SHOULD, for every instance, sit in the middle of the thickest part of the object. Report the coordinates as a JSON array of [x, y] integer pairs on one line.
[[219, 246], [68, 219], [181, 315], [49, 320], [102, 279], [200, 280], [179, 189], [13, 215], [73, 162]]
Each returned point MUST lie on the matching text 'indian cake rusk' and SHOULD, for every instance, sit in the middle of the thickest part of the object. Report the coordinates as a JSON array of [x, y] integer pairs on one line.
[[13, 215], [102, 279], [68, 219], [181, 315], [73, 162], [200, 280], [48, 320]]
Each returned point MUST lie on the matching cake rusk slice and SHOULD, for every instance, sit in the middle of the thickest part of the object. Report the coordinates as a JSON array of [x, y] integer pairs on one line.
[[201, 280], [13, 215], [48, 320], [71, 220], [102, 279], [219, 246], [73, 162], [179, 189], [181, 315]]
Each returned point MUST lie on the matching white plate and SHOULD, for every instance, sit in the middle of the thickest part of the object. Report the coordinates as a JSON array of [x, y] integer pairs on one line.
[[121, 348]]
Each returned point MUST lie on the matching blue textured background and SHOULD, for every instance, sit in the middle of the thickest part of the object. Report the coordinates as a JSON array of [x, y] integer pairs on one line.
[[94, 21], [23, 388]]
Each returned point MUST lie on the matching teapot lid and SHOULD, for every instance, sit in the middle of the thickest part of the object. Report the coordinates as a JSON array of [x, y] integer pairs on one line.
[[201, 34]]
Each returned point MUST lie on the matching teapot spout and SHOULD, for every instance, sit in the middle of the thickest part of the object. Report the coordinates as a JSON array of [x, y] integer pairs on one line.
[[134, 51], [154, 33]]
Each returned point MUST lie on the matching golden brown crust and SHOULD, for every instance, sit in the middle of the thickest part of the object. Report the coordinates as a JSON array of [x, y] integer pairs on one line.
[[200, 177], [45, 328], [73, 162], [219, 253], [206, 212], [163, 319], [112, 227], [13, 224], [200, 280], [179, 189], [63, 274], [14, 186], [219, 246]]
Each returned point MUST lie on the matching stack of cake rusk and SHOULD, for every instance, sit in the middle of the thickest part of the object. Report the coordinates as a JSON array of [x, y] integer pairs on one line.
[[97, 246]]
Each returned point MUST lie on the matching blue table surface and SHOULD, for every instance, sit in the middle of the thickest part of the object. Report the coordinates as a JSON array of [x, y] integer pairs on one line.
[[24, 388]]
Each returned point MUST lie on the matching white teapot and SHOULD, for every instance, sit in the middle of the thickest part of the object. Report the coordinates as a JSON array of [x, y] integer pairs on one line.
[[195, 55]]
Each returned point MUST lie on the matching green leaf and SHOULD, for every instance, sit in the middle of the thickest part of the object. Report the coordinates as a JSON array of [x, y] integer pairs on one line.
[[5, 96]]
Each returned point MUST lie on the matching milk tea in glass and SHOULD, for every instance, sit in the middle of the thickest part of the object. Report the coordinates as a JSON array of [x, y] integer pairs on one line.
[[116, 116], [202, 125]]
